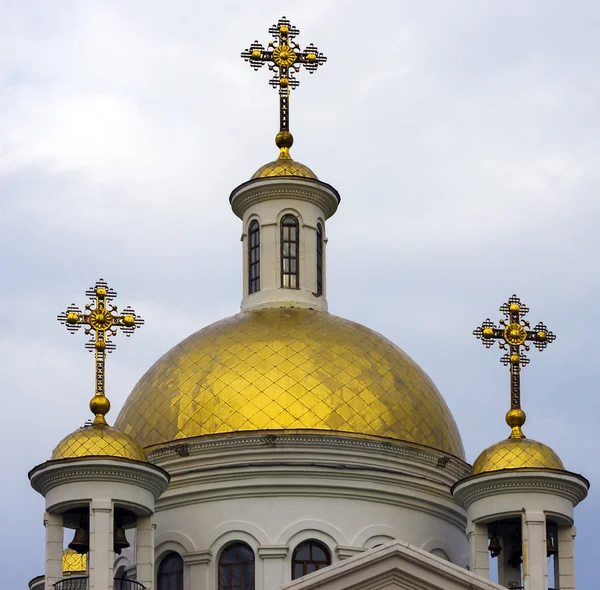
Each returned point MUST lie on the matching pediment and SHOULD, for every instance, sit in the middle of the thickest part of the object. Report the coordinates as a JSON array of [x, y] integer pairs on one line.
[[393, 566]]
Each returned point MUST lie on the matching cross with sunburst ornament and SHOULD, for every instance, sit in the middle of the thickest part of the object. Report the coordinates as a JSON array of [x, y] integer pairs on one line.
[[103, 320], [284, 58], [514, 334]]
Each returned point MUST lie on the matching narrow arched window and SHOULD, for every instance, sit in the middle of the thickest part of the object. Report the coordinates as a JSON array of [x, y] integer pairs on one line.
[[309, 557], [319, 260], [290, 248], [236, 568], [170, 573], [253, 258]]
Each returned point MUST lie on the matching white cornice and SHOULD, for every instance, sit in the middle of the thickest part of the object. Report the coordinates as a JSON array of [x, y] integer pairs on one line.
[[311, 465], [313, 191], [567, 485], [51, 474], [339, 449]]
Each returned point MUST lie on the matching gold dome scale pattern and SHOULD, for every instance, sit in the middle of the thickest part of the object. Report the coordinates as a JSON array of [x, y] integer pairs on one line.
[[97, 440], [288, 369], [284, 167], [516, 453]]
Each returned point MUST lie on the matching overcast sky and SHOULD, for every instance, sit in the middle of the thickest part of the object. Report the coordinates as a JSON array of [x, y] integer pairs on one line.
[[463, 137]]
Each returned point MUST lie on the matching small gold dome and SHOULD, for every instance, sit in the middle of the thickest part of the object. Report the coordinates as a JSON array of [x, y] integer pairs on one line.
[[516, 453], [288, 369], [284, 167], [97, 440], [74, 562]]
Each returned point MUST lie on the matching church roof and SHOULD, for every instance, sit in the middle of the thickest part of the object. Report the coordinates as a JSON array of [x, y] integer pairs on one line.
[[288, 369], [97, 440], [284, 167], [516, 453]]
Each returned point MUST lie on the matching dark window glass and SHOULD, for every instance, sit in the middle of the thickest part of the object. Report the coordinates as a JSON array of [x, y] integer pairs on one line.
[[170, 573], [253, 258], [236, 568], [309, 557], [290, 248], [319, 260]]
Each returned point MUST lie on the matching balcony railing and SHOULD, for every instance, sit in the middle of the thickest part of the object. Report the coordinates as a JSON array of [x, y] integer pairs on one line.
[[122, 584], [72, 583], [81, 583]]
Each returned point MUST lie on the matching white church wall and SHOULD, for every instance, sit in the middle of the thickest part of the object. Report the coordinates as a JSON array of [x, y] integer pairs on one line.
[[273, 500]]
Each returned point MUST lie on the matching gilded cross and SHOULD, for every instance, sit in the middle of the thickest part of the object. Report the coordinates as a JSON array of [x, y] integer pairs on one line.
[[103, 319], [284, 58], [514, 334]]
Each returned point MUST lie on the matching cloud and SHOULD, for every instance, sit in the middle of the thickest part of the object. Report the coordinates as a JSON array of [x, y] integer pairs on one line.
[[462, 137]]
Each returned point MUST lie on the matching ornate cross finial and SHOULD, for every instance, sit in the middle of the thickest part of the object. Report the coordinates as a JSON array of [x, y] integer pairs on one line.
[[511, 335], [284, 58], [103, 319]]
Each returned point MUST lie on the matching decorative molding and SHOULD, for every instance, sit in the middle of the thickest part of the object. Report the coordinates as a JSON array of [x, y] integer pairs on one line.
[[273, 551], [198, 557], [320, 194], [52, 474], [346, 551], [566, 485], [453, 466]]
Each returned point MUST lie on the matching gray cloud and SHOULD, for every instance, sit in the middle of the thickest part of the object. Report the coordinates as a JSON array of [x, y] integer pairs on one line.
[[462, 136]]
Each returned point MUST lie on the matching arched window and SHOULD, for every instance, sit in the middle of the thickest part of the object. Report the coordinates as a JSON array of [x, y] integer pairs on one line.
[[253, 258], [319, 260], [236, 568], [309, 557], [170, 573], [290, 248]]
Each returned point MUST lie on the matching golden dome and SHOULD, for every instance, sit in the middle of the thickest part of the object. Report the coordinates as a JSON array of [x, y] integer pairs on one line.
[[516, 453], [97, 440], [284, 167], [74, 562], [280, 369]]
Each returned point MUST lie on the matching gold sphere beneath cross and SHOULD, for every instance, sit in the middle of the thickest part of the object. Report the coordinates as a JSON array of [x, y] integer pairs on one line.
[[515, 417], [100, 404]]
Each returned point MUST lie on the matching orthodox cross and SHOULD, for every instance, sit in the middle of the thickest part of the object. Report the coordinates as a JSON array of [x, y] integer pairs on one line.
[[514, 334], [103, 319], [284, 58]]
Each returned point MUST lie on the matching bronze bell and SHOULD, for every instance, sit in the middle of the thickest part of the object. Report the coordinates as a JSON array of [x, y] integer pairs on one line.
[[494, 546], [81, 541], [550, 546], [120, 541]]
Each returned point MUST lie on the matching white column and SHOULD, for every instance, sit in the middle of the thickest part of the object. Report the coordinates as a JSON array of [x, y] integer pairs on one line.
[[54, 548], [144, 551], [535, 565], [273, 565], [478, 549], [564, 573], [195, 571], [101, 555]]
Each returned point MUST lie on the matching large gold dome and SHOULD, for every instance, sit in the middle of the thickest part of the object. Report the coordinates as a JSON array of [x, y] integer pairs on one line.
[[288, 369]]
